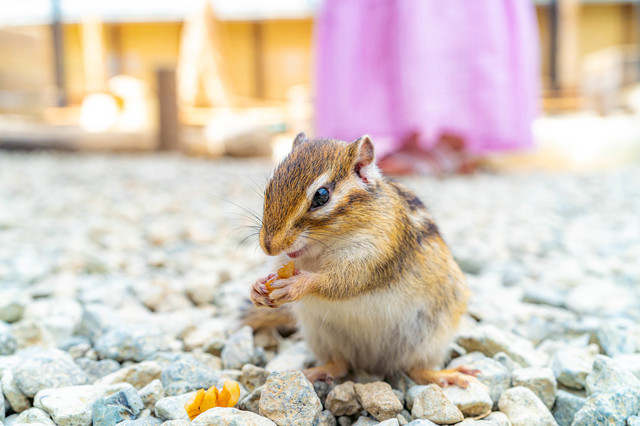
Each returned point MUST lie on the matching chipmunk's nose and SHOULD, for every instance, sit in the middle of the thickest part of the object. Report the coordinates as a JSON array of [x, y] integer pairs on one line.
[[272, 244]]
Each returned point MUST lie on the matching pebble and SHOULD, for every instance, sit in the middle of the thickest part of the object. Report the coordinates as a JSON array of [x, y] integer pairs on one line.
[[496, 418], [325, 418], [13, 396], [524, 408], [251, 402], [378, 399], [607, 376], [571, 366], [253, 377], [2, 404], [608, 408], [491, 373], [239, 349], [72, 405], [342, 400], [629, 362], [172, 407], [633, 420], [139, 375], [151, 393], [433, 405], [421, 422], [231, 417], [8, 342], [472, 401], [295, 357], [13, 301], [289, 398], [566, 406], [47, 369], [186, 375], [134, 343], [34, 415], [540, 380], [145, 421], [95, 370]]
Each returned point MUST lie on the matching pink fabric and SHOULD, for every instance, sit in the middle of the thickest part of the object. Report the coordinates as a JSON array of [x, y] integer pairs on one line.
[[388, 68]]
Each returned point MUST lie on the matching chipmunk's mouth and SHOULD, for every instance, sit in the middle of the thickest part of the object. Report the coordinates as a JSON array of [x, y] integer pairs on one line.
[[297, 253]]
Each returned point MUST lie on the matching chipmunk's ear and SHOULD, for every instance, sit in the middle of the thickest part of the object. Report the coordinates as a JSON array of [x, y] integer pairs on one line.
[[364, 165], [299, 140]]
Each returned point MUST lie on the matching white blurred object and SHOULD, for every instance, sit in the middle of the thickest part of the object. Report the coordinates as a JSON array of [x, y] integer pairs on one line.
[[98, 113], [136, 114]]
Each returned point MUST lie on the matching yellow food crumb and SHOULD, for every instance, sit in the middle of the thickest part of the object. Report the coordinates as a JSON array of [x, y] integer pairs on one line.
[[212, 397], [285, 271]]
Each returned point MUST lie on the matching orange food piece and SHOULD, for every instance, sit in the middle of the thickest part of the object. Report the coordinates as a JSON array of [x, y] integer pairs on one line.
[[285, 271], [212, 397]]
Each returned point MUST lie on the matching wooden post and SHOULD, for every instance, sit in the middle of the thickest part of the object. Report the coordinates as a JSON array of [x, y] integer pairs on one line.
[[568, 17], [258, 56], [552, 9], [168, 126]]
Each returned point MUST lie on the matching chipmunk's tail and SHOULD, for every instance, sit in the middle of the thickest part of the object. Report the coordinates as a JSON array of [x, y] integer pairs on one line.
[[281, 318]]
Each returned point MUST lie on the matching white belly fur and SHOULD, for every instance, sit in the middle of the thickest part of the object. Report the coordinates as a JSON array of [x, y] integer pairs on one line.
[[381, 332]]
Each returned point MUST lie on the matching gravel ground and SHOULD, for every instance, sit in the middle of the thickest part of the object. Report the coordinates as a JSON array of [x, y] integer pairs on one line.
[[122, 279]]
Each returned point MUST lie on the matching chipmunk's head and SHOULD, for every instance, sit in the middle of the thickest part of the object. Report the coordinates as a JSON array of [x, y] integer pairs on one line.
[[314, 193]]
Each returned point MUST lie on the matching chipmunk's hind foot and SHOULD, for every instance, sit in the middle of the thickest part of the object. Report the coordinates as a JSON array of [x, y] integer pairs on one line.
[[461, 376], [327, 372]]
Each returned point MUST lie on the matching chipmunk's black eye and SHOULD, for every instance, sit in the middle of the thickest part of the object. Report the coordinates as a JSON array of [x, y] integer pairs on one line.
[[320, 198]]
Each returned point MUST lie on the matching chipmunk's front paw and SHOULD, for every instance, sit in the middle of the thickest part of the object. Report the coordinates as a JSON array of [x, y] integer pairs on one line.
[[260, 294], [289, 289]]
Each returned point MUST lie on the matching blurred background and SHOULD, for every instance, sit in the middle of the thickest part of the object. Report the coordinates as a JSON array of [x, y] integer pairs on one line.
[[224, 77]]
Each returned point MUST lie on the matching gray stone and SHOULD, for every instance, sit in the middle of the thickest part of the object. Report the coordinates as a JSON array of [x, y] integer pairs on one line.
[[342, 400], [608, 408], [421, 422], [378, 399], [31, 332], [177, 422], [239, 349], [412, 394], [540, 380], [629, 362], [571, 366], [8, 342], [253, 377], [34, 415], [172, 407], [143, 421], [607, 376], [47, 369], [73, 405], [97, 369], [138, 375], [496, 418], [220, 416], [492, 374], [186, 375], [432, 404], [151, 393], [390, 422], [524, 408], [322, 388], [506, 361], [2, 405], [13, 396], [472, 401], [325, 418], [490, 340], [251, 402], [127, 398], [12, 304], [365, 421], [566, 406], [289, 398], [10, 420], [134, 343], [295, 357], [96, 320], [615, 339], [103, 414]]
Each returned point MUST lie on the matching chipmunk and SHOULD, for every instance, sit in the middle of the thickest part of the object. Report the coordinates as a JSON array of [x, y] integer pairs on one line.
[[375, 287]]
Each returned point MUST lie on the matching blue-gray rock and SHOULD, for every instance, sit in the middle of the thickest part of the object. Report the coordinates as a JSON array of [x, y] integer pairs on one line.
[[2, 407], [8, 342], [172, 407], [133, 343], [144, 421], [608, 408], [571, 366], [493, 375], [607, 376], [289, 398], [566, 406], [96, 320], [97, 369], [629, 362], [103, 414], [221, 416], [421, 422], [496, 418], [12, 304], [251, 402], [47, 369], [34, 415], [616, 339], [127, 398], [412, 394], [633, 420], [325, 418], [253, 377], [186, 375], [138, 375], [239, 349], [10, 420]]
